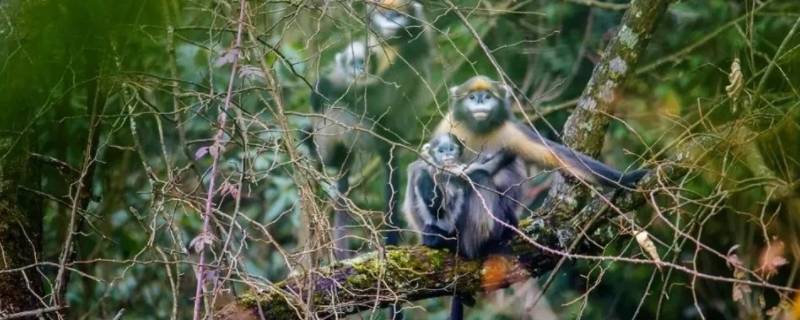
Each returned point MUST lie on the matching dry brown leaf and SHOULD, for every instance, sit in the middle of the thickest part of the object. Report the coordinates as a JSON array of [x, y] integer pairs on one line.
[[647, 245], [771, 258], [735, 83]]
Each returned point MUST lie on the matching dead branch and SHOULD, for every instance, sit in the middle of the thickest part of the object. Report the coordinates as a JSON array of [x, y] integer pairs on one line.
[[413, 273]]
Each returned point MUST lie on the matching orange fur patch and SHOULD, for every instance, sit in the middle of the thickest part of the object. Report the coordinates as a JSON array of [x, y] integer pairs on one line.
[[391, 4], [501, 271], [529, 150], [479, 84], [507, 136]]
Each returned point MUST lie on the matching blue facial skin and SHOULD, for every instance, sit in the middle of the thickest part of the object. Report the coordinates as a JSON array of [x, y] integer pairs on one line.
[[388, 22], [445, 151], [358, 65], [481, 111], [446, 154]]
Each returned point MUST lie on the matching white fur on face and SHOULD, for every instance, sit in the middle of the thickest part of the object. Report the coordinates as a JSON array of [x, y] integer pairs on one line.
[[388, 22], [351, 62], [480, 110]]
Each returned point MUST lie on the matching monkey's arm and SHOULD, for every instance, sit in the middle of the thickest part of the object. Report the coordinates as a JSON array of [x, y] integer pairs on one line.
[[530, 146], [324, 92], [481, 219], [491, 164], [415, 209], [437, 231], [423, 207]]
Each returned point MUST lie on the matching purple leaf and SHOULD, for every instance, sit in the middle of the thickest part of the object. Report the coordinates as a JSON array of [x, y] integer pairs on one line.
[[201, 152], [228, 57], [201, 241]]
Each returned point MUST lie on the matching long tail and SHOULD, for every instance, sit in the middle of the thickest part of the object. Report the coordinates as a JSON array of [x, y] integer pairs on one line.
[[632, 178], [534, 148], [598, 172], [456, 308]]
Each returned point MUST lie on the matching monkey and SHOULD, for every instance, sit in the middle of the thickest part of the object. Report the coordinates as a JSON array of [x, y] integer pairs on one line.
[[370, 101], [480, 116], [357, 66], [462, 210], [441, 203]]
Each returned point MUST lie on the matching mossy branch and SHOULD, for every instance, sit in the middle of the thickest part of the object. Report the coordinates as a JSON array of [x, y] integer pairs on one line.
[[401, 274], [585, 128]]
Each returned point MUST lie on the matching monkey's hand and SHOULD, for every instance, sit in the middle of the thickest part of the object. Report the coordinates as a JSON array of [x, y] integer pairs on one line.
[[435, 237], [491, 163], [460, 170]]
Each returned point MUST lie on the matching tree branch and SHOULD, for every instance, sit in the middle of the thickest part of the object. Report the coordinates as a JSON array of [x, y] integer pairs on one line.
[[403, 274], [585, 128], [400, 274]]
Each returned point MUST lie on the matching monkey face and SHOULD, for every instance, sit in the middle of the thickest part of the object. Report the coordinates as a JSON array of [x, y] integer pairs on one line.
[[479, 104], [352, 61], [446, 155], [444, 150], [481, 110], [389, 17]]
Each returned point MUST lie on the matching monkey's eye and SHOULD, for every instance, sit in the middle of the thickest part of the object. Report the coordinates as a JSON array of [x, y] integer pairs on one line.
[[391, 14], [472, 97], [358, 63]]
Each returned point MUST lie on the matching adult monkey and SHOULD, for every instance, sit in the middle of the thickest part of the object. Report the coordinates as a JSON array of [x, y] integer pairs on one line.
[[480, 116], [375, 86]]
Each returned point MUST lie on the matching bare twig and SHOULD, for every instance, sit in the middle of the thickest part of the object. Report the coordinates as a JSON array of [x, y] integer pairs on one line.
[[31, 313], [218, 149]]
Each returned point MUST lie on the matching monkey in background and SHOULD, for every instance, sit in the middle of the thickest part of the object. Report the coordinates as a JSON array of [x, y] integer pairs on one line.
[[463, 210], [480, 116], [374, 86]]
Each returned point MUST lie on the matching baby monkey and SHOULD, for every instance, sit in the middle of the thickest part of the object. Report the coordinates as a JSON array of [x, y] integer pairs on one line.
[[462, 207], [459, 206]]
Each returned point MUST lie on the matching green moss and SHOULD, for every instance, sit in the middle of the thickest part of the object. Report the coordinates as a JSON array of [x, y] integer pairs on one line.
[[251, 299], [400, 257], [359, 281], [436, 259], [628, 37]]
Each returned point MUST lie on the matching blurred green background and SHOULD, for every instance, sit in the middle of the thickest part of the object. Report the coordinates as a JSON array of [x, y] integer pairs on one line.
[[138, 85]]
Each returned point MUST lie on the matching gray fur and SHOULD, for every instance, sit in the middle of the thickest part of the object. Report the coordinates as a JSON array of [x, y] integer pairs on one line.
[[474, 205]]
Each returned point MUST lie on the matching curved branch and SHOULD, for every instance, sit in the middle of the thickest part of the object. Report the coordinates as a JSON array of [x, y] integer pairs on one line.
[[413, 273], [401, 274], [585, 128]]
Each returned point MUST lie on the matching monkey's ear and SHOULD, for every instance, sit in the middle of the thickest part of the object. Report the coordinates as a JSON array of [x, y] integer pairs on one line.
[[453, 91], [417, 9], [339, 59], [506, 91], [426, 148]]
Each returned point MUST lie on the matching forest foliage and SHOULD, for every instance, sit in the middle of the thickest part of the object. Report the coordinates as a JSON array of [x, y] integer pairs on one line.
[[112, 107]]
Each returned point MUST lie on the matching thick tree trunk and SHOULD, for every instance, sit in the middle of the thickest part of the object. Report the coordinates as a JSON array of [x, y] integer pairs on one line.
[[586, 127], [20, 221]]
